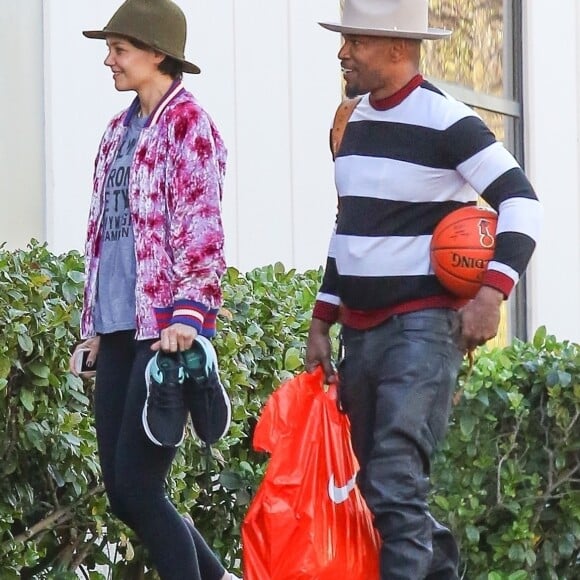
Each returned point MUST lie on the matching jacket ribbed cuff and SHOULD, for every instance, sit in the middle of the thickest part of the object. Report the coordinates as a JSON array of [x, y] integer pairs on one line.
[[186, 312]]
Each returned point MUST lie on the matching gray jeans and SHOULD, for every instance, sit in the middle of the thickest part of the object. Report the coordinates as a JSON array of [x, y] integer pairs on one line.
[[396, 385]]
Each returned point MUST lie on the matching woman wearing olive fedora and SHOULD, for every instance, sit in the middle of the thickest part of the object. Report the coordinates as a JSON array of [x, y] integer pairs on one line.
[[154, 260], [407, 156]]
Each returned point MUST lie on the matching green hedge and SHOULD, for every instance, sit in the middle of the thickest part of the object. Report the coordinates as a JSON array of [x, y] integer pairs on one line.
[[506, 481], [508, 477]]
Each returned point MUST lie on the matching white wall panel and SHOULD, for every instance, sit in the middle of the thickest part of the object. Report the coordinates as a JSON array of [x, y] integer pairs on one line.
[[21, 123], [262, 125], [552, 95], [315, 90]]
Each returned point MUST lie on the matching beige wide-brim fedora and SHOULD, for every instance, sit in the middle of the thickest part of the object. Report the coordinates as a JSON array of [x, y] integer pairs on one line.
[[159, 24], [394, 18]]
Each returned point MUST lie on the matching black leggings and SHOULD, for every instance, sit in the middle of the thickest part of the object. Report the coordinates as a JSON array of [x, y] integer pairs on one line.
[[134, 469]]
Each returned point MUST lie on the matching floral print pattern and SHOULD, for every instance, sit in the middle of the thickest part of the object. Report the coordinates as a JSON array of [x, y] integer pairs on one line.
[[175, 192]]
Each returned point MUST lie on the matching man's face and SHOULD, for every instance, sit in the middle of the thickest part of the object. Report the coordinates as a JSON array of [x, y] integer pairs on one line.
[[365, 63]]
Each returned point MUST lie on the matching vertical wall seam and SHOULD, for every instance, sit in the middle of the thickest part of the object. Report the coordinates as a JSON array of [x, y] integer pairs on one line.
[[47, 173], [237, 250], [293, 224]]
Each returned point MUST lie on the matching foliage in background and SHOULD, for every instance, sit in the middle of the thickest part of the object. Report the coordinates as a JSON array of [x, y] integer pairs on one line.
[[507, 479], [48, 470]]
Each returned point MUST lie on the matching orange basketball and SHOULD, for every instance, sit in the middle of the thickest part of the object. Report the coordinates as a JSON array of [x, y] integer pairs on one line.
[[462, 245]]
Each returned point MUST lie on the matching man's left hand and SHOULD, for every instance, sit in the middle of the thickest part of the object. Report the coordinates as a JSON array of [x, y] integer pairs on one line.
[[480, 318], [175, 338]]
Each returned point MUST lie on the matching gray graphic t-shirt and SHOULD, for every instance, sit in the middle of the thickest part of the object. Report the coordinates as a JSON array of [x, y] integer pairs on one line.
[[115, 305]]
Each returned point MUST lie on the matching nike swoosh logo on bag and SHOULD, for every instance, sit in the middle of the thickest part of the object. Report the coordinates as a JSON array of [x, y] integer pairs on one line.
[[340, 494]]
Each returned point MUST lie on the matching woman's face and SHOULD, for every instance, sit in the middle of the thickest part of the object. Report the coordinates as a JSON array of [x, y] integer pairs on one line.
[[133, 68]]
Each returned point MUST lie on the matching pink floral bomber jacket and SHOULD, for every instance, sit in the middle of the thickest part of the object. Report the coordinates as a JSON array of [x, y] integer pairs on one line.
[[175, 192]]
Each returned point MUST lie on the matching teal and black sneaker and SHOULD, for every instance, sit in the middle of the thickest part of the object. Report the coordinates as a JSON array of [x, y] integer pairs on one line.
[[205, 396], [164, 414]]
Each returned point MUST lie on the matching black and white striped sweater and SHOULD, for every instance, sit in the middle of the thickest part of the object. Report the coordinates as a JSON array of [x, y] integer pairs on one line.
[[403, 165]]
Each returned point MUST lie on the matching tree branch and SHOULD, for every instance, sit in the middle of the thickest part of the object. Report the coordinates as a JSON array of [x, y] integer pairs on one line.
[[55, 518]]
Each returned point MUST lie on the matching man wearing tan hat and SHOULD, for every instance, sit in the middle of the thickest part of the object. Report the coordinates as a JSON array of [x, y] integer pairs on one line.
[[409, 155]]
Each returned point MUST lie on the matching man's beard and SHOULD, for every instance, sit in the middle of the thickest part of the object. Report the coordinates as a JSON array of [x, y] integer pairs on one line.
[[352, 91]]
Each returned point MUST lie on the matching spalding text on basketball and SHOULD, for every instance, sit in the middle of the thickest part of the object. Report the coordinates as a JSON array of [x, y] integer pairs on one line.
[[460, 261]]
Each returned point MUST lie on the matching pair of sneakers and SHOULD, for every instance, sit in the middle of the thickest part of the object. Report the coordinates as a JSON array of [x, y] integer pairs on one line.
[[181, 383]]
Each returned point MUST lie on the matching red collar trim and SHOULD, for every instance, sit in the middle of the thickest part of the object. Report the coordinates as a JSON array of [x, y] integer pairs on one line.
[[398, 97]]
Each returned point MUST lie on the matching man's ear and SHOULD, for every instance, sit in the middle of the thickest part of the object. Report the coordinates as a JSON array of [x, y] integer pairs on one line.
[[399, 49], [159, 57]]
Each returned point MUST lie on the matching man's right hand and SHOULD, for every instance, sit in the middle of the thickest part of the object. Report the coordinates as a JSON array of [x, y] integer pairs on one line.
[[318, 349]]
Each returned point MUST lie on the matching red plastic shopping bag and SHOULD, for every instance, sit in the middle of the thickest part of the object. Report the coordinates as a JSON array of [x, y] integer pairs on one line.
[[308, 520]]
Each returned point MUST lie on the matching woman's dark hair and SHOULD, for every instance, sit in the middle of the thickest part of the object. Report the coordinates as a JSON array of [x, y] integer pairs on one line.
[[172, 67], [168, 66]]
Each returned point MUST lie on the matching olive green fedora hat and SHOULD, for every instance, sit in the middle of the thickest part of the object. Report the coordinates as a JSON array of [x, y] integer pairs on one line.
[[159, 24]]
